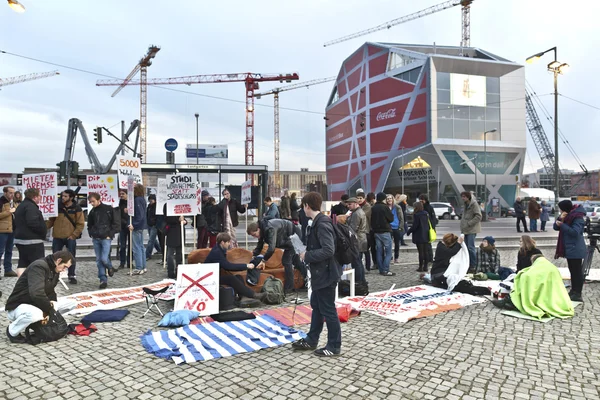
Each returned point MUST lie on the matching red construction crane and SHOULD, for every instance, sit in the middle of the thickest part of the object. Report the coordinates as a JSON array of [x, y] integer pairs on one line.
[[276, 189], [25, 78], [251, 81], [141, 67]]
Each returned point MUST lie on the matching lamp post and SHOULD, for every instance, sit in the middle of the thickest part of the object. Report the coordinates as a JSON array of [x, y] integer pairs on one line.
[[402, 168], [556, 68], [484, 217], [197, 174]]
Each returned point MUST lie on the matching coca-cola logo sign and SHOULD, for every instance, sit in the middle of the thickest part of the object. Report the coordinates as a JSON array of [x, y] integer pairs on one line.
[[391, 113]]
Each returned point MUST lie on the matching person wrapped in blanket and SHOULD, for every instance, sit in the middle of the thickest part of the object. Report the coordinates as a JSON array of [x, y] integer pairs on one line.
[[539, 291], [447, 249]]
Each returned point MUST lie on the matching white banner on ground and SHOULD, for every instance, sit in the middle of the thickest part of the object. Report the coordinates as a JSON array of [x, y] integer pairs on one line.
[[181, 195], [130, 196], [161, 195], [106, 187], [247, 192], [128, 167], [197, 288], [47, 185]]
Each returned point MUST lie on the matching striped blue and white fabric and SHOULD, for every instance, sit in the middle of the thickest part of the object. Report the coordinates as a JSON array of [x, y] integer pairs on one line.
[[219, 339]]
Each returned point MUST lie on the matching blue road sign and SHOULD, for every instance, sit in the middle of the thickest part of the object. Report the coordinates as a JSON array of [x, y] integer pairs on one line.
[[171, 144]]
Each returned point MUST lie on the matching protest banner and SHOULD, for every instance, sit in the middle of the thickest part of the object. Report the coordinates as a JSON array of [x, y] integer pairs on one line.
[[47, 185], [197, 288], [106, 187], [246, 192], [128, 167], [181, 195], [161, 195], [130, 197]]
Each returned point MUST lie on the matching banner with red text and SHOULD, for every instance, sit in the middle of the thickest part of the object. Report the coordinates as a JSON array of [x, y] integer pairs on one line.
[[127, 166], [181, 195], [106, 187], [197, 288], [47, 185]]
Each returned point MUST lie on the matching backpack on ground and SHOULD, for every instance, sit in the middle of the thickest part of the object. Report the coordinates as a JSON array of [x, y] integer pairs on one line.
[[56, 328], [273, 287], [360, 288], [346, 244]]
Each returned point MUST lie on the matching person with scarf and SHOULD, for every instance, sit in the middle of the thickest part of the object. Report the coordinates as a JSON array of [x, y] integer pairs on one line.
[[571, 244], [228, 210], [526, 251], [488, 259]]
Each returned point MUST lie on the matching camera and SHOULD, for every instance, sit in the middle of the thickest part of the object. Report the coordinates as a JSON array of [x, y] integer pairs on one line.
[[592, 229]]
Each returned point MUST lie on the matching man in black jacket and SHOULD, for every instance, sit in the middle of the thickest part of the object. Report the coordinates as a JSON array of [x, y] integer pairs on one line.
[[432, 219], [381, 218], [201, 223], [33, 297], [520, 213], [341, 208], [325, 274], [152, 230], [124, 230], [103, 224], [276, 233], [218, 255], [30, 230]]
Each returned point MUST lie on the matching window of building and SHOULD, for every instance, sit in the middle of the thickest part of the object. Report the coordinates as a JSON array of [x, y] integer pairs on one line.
[[410, 75], [399, 60], [335, 96]]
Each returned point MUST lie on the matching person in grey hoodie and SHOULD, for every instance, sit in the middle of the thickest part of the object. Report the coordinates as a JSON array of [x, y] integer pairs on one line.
[[470, 225]]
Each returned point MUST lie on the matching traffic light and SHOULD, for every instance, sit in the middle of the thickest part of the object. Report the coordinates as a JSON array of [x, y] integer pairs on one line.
[[98, 135], [74, 168], [62, 169]]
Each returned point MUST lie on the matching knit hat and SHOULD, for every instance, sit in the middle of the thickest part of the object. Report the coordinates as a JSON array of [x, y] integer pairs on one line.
[[381, 196], [205, 193], [490, 240], [352, 200], [565, 205]]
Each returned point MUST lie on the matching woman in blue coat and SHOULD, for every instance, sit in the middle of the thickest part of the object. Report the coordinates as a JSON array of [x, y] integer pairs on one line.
[[570, 243], [545, 216], [420, 234]]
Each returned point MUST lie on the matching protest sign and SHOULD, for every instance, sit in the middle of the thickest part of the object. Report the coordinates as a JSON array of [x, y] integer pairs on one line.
[[128, 167], [106, 187], [197, 288], [130, 195], [161, 195], [47, 185], [246, 192], [181, 195]]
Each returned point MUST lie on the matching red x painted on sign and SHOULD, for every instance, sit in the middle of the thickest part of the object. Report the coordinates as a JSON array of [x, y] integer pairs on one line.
[[195, 283]]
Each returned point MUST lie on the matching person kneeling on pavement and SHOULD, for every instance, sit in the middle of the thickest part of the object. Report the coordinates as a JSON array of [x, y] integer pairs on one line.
[[539, 291], [218, 255], [276, 234], [33, 298]]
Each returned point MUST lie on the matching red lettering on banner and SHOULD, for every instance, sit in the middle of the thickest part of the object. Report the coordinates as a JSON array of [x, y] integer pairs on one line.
[[183, 209]]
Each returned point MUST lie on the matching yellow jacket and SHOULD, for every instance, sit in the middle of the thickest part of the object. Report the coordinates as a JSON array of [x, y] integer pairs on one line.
[[6, 217]]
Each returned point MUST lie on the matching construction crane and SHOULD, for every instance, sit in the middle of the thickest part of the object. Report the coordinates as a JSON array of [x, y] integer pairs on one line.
[[251, 81], [142, 68], [275, 92], [466, 22], [28, 77]]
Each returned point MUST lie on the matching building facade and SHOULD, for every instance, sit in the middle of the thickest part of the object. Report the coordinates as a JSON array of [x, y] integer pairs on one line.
[[300, 182], [544, 180], [585, 186], [394, 104]]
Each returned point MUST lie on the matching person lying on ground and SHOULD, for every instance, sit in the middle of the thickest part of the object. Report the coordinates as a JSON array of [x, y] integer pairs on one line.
[[33, 298], [218, 255], [539, 291]]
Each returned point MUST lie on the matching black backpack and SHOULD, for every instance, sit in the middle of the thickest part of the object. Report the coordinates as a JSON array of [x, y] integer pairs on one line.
[[56, 328], [346, 244]]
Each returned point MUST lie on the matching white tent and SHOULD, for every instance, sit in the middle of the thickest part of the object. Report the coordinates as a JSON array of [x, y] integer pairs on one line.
[[542, 194]]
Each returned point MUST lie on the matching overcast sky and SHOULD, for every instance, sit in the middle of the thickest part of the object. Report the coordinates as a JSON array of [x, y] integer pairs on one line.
[[201, 37]]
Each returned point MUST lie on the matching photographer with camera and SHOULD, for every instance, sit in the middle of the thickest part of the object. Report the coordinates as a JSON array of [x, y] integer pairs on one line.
[[571, 244]]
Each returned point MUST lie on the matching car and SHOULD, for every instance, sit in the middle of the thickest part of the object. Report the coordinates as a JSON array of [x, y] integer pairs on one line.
[[510, 212], [593, 213], [443, 210]]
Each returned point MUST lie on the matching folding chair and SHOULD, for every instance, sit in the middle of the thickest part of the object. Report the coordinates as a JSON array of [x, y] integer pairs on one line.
[[152, 299]]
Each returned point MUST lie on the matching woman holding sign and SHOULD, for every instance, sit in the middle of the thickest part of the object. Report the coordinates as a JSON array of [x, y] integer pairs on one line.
[[228, 213]]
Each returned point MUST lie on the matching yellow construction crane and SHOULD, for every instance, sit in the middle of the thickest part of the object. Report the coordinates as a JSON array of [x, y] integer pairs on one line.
[[141, 67], [276, 189], [466, 22], [25, 78]]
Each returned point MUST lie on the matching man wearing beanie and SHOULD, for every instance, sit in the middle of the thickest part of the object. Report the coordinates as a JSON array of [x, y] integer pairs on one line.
[[381, 218]]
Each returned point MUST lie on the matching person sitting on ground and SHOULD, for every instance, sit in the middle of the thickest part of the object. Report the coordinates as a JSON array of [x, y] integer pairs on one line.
[[488, 258], [539, 291], [447, 248], [526, 251], [218, 255], [33, 298]]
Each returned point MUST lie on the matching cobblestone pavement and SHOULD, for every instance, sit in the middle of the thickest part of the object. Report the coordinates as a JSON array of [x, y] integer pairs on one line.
[[472, 353]]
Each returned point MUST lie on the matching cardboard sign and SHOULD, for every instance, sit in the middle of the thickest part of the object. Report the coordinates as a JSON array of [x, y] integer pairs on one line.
[[130, 195], [246, 192], [199, 199], [128, 167], [197, 288], [47, 185], [161, 195], [181, 195], [106, 187]]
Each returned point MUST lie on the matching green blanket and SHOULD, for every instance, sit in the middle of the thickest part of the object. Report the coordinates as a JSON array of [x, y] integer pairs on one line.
[[539, 291]]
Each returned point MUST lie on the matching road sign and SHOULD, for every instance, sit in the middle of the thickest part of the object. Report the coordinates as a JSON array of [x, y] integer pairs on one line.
[[171, 144]]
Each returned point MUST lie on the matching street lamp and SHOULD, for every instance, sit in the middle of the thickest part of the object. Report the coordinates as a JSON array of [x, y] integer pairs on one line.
[[197, 174], [485, 201], [556, 68], [16, 6]]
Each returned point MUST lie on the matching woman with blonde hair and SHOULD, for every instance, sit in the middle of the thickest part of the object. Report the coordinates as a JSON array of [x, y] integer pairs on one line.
[[526, 250]]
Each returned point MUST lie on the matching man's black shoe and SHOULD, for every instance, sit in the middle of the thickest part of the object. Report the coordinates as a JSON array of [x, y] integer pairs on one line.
[[111, 272], [15, 339], [103, 285], [302, 344], [575, 297], [73, 281], [326, 353]]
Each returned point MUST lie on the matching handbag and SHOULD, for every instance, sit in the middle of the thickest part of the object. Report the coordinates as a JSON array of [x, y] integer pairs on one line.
[[64, 211], [56, 328], [432, 233]]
